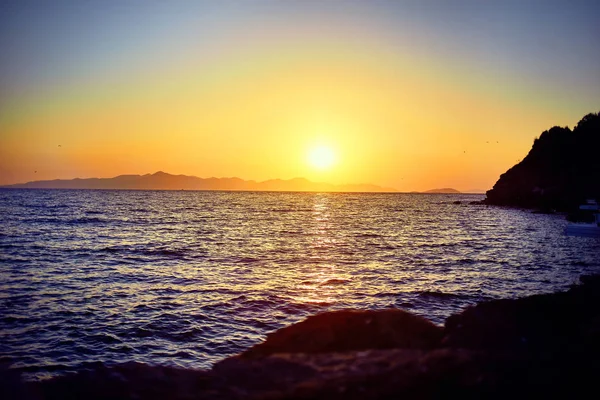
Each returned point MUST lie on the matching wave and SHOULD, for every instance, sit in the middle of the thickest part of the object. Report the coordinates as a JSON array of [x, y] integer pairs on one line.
[[186, 335], [44, 206], [140, 332], [440, 295], [94, 212], [132, 252], [88, 220], [164, 252], [104, 338], [368, 235], [247, 260], [335, 281], [289, 210], [453, 297]]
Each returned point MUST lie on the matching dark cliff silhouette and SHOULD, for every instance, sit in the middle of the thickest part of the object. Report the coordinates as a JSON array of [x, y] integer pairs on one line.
[[561, 170], [164, 181]]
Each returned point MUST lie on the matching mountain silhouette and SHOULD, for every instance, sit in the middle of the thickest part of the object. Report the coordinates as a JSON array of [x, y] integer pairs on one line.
[[442, 190], [164, 181], [561, 170]]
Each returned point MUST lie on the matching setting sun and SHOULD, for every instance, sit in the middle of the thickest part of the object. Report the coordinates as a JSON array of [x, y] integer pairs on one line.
[[321, 157]]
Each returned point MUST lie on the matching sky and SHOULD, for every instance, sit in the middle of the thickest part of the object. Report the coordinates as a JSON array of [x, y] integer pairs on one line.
[[412, 95]]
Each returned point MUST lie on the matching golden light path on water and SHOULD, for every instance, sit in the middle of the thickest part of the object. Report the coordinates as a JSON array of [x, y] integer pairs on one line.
[[322, 282]]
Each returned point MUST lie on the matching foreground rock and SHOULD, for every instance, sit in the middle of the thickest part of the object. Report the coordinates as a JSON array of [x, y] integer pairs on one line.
[[540, 324], [351, 330], [539, 346]]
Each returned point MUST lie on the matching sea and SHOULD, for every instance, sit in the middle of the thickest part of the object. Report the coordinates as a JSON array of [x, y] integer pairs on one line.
[[187, 278]]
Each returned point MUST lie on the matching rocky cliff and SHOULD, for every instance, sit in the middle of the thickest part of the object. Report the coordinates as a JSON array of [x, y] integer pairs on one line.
[[561, 170], [541, 346]]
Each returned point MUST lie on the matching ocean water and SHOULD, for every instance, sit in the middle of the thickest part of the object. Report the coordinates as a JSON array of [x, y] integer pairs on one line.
[[187, 278]]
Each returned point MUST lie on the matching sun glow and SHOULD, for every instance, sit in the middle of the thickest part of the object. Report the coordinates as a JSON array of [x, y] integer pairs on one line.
[[321, 157]]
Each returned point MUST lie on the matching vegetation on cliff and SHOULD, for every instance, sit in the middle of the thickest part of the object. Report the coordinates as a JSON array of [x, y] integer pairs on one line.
[[561, 170]]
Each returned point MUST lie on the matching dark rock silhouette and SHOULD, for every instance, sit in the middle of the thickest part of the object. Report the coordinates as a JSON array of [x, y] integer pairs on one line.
[[543, 346], [543, 324], [164, 181], [328, 332], [560, 171]]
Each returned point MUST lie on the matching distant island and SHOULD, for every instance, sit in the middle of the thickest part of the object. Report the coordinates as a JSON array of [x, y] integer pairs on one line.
[[164, 181], [442, 190], [561, 170]]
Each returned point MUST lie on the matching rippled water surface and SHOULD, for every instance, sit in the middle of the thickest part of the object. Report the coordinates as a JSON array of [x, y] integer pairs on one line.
[[187, 278]]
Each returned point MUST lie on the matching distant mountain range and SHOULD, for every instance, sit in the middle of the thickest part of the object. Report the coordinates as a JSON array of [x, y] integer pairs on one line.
[[164, 181], [442, 190]]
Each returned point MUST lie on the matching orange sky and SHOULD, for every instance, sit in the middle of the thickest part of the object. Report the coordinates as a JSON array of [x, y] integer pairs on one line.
[[255, 100]]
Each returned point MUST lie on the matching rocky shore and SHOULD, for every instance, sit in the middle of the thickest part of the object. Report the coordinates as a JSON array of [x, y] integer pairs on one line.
[[539, 346]]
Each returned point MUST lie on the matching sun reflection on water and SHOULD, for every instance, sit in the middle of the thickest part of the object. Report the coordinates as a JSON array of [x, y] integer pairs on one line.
[[322, 281]]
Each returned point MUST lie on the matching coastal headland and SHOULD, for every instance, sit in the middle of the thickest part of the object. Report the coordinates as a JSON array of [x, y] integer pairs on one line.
[[539, 346], [560, 171]]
